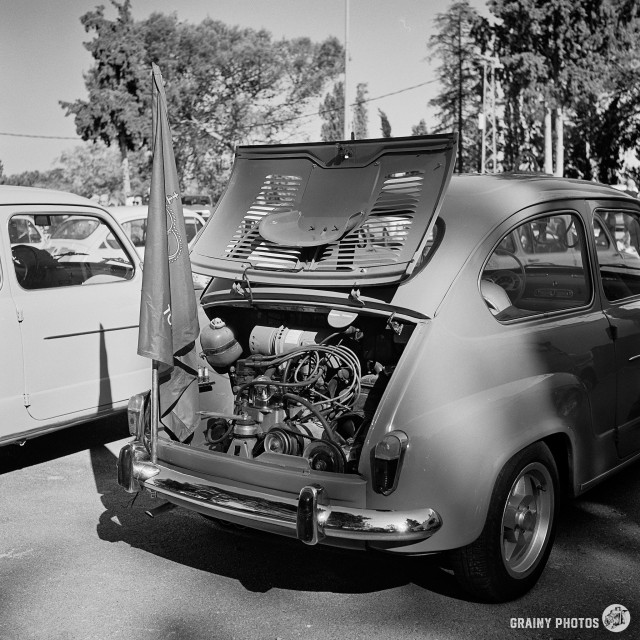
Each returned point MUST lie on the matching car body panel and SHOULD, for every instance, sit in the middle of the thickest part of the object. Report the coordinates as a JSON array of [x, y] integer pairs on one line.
[[469, 388], [70, 351], [325, 213]]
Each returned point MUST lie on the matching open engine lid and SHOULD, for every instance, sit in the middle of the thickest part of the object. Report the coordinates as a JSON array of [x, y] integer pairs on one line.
[[327, 214]]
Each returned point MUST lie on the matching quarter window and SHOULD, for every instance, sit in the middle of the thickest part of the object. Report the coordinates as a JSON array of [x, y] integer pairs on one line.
[[619, 262], [539, 267]]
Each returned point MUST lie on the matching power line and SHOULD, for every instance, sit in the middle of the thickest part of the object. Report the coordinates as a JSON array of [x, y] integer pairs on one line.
[[310, 115], [29, 135], [254, 126]]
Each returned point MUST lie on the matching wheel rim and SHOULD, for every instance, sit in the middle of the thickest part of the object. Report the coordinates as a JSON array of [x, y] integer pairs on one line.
[[527, 520]]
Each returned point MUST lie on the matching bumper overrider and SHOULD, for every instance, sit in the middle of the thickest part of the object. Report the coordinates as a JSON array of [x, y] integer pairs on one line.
[[310, 518]]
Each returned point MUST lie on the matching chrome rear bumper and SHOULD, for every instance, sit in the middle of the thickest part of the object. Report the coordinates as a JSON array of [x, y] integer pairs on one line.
[[311, 517]]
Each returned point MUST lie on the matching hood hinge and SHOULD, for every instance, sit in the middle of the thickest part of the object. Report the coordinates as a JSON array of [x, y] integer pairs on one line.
[[237, 287]]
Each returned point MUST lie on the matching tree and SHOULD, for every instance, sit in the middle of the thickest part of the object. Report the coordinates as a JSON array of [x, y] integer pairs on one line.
[[385, 125], [459, 43], [360, 115], [52, 179], [419, 129], [575, 58], [225, 86], [116, 111], [332, 113]]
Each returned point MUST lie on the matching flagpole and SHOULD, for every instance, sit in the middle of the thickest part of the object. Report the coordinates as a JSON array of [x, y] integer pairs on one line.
[[155, 405]]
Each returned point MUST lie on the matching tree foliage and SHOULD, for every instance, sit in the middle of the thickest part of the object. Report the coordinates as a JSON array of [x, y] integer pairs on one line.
[[116, 111], [578, 57], [419, 129], [458, 43], [385, 125], [225, 86], [332, 113]]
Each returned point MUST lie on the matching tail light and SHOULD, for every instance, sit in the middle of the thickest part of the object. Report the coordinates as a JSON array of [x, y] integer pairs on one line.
[[387, 460], [135, 414]]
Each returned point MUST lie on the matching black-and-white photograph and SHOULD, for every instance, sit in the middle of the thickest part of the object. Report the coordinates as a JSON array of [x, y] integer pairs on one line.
[[319, 319]]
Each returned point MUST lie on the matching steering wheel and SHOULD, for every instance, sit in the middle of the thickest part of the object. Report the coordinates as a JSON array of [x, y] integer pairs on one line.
[[512, 281], [25, 262]]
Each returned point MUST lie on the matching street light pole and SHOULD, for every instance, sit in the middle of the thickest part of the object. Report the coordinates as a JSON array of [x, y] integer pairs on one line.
[[347, 125]]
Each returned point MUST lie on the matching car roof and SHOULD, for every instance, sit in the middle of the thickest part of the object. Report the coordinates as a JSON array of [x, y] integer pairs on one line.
[[126, 213], [473, 207], [496, 196]]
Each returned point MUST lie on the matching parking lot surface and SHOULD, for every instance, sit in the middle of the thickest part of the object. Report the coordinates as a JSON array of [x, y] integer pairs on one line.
[[79, 559]]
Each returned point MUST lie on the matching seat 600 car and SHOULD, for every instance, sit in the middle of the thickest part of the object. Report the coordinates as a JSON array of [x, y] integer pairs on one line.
[[383, 390], [69, 327]]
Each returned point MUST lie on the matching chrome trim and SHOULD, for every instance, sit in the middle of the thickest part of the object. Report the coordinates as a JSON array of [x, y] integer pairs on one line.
[[326, 519], [636, 357], [603, 476], [135, 466]]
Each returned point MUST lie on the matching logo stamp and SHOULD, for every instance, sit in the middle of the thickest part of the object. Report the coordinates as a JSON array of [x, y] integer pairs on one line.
[[616, 618]]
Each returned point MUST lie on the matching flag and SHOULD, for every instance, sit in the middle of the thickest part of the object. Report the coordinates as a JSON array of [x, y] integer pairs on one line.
[[168, 309]]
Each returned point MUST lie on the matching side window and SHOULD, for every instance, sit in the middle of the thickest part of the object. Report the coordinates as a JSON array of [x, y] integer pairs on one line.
[[538, 267], [23, 231], [602, 239], [81, 249], [619, 263], [192, 226], [137, 231]]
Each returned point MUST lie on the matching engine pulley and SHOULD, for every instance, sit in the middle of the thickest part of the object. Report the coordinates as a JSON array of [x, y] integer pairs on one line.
[[324, 456]]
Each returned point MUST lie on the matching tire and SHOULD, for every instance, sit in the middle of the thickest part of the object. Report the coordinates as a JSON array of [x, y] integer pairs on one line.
[[510, 554]]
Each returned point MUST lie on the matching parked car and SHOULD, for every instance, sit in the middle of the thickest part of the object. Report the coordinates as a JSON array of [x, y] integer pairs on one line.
[[392, 395], [69, 329], [133, 220], [84, 237], [201, 203]]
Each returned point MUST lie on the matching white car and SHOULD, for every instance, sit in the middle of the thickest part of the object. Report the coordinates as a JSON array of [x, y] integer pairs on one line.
[[134, 222], [69, 328]]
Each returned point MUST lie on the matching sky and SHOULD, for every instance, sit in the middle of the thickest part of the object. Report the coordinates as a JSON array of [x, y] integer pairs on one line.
[[43, 60]]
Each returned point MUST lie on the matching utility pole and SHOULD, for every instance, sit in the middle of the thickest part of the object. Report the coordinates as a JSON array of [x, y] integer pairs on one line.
[[347, 119], [489, 154], [460, 96]]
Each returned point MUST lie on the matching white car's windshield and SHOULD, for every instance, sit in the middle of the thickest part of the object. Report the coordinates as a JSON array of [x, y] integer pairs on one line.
[[75, 229]]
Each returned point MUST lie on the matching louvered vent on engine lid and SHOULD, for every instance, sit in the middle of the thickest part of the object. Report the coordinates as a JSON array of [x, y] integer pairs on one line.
[[327, 214]]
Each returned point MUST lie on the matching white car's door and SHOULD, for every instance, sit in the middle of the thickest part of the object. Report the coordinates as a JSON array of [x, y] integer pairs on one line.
[[79, 327], [11, 372]]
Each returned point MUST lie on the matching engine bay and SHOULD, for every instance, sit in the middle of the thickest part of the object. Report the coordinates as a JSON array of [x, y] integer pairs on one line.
[[294, 382]]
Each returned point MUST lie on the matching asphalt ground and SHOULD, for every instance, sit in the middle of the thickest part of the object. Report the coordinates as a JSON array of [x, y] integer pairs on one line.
[[79, 559]]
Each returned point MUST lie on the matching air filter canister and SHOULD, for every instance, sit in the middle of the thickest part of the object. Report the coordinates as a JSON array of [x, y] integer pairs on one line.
[[271, 341]]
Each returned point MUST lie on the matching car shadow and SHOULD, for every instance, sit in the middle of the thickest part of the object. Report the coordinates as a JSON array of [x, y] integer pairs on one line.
[[259, 561], [63, 442]]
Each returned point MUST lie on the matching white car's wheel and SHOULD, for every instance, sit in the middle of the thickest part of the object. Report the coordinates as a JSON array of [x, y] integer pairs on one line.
[[512, 550]]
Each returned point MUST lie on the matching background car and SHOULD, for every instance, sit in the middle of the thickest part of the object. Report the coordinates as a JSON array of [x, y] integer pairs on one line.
[[134, 222], [385, 392], [200, 203], [69, 329]]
